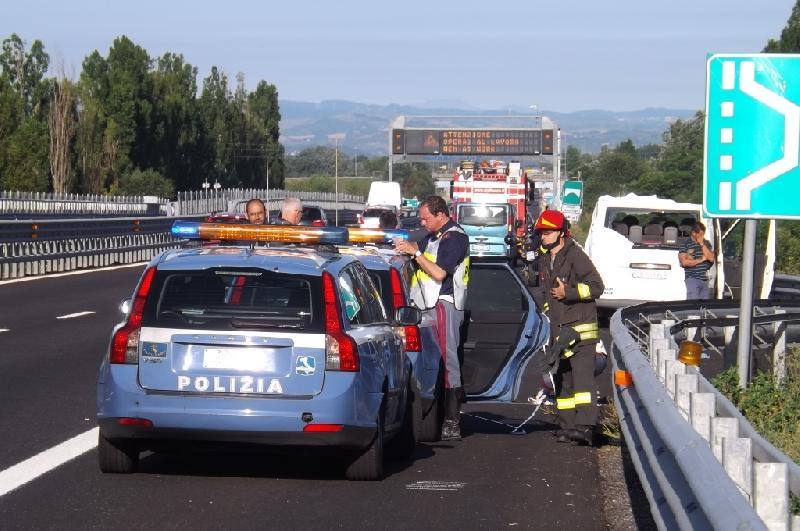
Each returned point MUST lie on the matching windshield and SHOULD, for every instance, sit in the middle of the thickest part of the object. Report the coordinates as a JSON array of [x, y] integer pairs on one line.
[[236, 299], [663, 228], [483, 215]]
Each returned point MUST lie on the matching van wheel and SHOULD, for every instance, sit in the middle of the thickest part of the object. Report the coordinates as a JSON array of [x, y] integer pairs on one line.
[[403, 445], [117, 457], [368, 463]]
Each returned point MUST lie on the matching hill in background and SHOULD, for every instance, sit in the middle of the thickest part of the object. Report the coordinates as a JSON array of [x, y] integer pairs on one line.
[[305, 124]]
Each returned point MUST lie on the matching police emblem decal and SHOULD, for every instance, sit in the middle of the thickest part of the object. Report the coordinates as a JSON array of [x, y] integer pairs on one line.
[[154, 350], [305, 365]]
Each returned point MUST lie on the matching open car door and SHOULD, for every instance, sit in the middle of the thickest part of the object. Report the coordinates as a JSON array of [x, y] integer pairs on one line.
[[502, 330]]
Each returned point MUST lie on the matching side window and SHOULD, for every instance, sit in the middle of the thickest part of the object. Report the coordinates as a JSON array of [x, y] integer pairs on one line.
[[371, 288]]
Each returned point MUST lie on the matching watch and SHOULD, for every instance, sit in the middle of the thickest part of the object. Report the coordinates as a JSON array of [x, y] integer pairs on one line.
[[417, 254]]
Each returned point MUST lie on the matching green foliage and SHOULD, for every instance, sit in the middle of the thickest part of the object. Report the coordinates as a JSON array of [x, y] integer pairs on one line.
[[323, 183], [773, 409], [147, 182], [136, 112], [789, 41]]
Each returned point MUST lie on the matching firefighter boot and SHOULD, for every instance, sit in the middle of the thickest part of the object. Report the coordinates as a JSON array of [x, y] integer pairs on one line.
[[451, 430], [582, 435]]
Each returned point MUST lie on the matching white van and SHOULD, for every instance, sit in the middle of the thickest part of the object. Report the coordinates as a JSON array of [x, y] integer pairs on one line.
[[385, 194], [634, 241]]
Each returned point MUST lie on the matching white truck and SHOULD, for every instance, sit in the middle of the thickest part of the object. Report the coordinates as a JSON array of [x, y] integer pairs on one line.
[[634, 241]]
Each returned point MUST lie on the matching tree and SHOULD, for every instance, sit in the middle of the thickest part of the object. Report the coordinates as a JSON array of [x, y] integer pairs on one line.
[[25, 71], [62, 129], [789, 41]]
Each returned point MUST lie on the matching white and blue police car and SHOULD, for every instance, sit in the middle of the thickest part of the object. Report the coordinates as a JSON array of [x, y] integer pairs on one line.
[[285, 343]]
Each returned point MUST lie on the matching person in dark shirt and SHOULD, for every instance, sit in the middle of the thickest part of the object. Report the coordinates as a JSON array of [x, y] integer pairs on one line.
[[696, 258], [291, 212], [388, 220], [439, 285]]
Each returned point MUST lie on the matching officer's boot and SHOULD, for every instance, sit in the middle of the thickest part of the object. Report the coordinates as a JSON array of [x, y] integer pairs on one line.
[[451, 429], [582, 435]]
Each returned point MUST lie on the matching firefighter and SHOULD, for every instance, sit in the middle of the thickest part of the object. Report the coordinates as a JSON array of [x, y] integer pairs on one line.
[[569, 284]]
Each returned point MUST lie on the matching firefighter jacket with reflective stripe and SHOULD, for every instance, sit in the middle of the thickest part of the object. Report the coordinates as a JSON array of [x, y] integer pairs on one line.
[[582, 285], [425, 290]]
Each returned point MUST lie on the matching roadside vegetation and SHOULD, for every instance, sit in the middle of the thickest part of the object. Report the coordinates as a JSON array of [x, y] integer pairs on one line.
[[772, 408]]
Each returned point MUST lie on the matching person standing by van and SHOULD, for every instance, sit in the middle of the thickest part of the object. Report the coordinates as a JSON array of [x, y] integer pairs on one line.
[[696, 258]]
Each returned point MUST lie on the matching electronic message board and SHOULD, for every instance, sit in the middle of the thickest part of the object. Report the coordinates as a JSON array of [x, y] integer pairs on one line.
[[472, 142]]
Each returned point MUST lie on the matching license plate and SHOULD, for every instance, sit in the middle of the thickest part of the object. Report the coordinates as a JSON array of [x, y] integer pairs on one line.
[[239, 359], [480, 247], [650, 275]]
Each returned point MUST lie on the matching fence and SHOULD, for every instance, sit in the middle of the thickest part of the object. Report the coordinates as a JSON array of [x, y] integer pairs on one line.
[[204, 201], [701, 463], [40, 204]]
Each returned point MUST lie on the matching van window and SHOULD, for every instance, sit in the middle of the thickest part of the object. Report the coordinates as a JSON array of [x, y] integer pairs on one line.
[[664, 229]]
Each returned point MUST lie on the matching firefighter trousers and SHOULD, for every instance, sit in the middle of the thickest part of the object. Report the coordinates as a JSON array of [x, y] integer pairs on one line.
[[576, 388]]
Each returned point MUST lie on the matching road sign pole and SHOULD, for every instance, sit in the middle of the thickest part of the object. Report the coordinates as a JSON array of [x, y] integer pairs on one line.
[[746, 303]]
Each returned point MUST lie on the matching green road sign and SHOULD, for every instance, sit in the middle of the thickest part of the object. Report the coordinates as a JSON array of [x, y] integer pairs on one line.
[[752, 140], [573, 193]]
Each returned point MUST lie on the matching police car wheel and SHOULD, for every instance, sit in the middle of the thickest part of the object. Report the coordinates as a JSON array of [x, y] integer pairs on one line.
[[368, 463], [117, 457], [405, 443]]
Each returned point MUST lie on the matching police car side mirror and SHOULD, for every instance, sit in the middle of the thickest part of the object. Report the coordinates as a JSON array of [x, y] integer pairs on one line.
[[509, 239], [408, 316], [125, 306]]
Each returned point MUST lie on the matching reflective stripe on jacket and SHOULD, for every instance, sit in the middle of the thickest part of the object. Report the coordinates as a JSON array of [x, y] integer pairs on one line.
[[425, 289]]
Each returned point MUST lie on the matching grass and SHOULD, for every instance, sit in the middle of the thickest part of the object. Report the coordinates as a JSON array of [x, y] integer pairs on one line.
[[773, 409]]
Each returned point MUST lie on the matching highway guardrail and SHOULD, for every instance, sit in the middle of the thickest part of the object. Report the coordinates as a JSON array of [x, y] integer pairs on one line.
[[702, 465]]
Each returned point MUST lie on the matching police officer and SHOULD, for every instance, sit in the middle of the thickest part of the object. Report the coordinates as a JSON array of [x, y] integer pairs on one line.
[[569, 284], [440, 285]]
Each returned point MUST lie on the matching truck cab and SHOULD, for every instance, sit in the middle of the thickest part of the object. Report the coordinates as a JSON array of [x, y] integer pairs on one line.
[[488, 226]]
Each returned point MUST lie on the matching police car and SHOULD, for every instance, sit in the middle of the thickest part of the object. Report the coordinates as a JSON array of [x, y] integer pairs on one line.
[[392, 274], [286, 345]]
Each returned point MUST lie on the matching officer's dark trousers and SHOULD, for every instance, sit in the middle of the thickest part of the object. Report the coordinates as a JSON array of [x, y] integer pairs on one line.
[[576, 388]]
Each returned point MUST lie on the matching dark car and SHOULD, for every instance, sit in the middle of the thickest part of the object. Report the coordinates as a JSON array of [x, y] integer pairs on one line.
[[314, 216]]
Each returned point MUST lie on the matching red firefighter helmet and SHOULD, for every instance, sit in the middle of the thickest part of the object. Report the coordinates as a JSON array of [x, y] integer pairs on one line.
[[552, 220]]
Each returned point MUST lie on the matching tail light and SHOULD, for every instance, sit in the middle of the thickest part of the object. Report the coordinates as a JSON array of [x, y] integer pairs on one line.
[[318, 223], [409, 333], [125, 343], [360, 219], [341, 352]]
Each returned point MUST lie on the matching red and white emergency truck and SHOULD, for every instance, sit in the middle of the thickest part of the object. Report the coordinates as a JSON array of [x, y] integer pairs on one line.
[[482, 194]]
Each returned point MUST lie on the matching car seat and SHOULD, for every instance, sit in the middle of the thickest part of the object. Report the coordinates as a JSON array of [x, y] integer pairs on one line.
[[635, 233], [671, 235]]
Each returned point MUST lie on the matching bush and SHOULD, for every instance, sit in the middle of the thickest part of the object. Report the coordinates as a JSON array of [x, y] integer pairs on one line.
[[147, 182]]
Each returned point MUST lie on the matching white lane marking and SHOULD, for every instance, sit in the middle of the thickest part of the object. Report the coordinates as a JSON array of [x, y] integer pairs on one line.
[[81, 272], [435, 485], [72, 315], [30, 469]]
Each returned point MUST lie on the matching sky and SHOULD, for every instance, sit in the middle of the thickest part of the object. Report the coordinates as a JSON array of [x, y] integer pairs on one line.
[[559, 55]]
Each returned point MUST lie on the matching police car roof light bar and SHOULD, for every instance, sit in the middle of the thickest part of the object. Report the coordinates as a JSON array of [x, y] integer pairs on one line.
[[195, 230], [358, 235]]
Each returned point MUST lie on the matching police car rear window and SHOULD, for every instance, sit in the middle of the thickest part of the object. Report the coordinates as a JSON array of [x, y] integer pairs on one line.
[[374, 212], [234, 299]]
